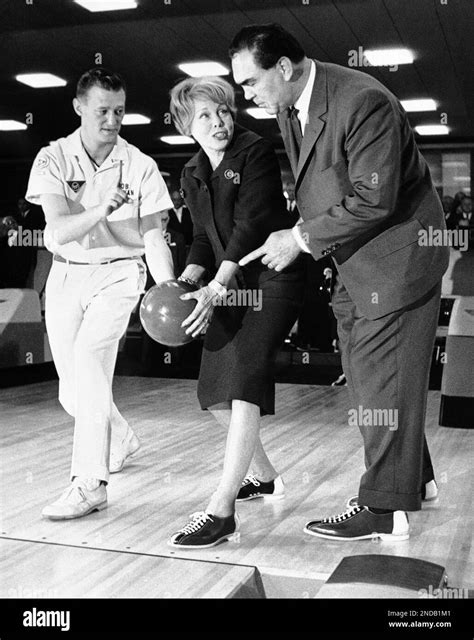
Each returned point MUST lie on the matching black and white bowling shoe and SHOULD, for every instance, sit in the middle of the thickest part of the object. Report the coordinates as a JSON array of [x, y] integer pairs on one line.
[[429, 493], [253, 488], [206, 530], [360, 523]]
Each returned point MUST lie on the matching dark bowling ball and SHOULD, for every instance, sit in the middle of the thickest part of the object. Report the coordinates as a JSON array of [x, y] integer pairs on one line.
[[162, 312]]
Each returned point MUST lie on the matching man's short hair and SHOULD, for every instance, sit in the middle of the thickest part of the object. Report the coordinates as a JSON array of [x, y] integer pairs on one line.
[[99, 77], [268, 43]]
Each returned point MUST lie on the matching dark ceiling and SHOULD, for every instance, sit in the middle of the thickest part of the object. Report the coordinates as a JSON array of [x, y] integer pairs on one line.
[[145, 45]]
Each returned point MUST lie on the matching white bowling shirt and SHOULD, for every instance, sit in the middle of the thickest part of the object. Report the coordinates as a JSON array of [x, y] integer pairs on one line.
[[65, 169]]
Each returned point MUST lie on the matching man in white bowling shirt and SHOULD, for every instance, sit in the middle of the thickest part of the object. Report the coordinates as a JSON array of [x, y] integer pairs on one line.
[[103, 200]]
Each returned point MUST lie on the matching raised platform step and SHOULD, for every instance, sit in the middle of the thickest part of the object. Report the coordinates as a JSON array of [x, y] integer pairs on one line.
[[45, 570]]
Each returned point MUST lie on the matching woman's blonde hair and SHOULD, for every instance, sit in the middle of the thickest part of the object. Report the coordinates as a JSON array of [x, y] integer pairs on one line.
[[187, 91]]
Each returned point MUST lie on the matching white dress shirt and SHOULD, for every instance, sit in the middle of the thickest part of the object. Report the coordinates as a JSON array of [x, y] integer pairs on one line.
[[302, 104]]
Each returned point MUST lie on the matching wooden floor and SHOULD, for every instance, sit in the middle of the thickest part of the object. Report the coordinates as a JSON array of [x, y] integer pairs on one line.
[[310, 442]]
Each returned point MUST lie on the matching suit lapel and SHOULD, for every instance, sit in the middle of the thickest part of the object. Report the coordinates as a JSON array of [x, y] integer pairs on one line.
[[316, 121]]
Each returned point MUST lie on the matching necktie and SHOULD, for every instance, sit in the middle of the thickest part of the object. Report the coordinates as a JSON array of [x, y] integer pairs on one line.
[[296, 128]]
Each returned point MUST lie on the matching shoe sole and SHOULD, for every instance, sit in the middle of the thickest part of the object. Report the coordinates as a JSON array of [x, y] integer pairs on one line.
[[231, 537], [129, 455], [97, 507], [388, 537], [267, 497]]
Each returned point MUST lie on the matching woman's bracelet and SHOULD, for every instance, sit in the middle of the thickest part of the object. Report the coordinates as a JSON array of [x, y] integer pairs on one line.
[[218, 288], [188, 281]]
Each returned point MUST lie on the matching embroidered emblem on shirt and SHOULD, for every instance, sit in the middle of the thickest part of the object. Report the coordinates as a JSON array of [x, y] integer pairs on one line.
[[75, 184], [41, 162], [40, 165]]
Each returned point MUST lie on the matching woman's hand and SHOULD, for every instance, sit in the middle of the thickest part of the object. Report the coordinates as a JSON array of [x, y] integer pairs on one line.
[[198, 321]]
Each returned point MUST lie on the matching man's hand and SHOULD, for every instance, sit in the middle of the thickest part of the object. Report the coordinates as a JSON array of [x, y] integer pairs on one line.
[[279, 250], [114, 199]]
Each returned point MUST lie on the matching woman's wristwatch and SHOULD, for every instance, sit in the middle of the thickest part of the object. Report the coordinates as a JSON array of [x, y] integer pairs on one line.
[[218, 288]]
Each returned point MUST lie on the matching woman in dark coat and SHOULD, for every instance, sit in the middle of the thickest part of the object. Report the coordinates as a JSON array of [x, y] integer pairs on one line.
[[232, 188]]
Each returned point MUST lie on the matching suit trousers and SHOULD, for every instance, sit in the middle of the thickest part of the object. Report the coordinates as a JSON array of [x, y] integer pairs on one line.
[[87, 311], [387, 362]]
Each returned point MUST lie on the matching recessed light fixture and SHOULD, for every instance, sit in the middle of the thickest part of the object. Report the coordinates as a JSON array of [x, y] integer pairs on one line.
[[199, 69], [107, 5], [40, 80], [259, 114], [135, 118], [12, 125], [424, 104], [177, 139], [388, 57], [432, 129]]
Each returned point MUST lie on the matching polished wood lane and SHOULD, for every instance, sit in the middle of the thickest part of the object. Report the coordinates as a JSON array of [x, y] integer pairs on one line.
[[309, 440]]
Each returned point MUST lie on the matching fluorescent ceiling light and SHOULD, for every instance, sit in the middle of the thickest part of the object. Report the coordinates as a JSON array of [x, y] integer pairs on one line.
[[452, 164], [259, 114], [41, 80], [461, 178], [177, 139], [388, 57], [199, 69], [419, 105], [432, 129], [107, 5], [135, 118], [12, 125]]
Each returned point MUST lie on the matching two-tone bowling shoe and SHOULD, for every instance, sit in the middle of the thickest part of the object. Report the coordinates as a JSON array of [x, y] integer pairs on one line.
[[360, 523], [205, 530], [253, 488], [429, 493]]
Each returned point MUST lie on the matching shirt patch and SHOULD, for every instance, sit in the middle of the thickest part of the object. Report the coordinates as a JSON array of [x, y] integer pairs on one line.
[[40, 164], [75, 184]]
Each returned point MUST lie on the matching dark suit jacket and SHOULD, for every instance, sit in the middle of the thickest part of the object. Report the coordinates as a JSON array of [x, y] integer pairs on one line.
[[237, 206], [185, 227], [365, 192]]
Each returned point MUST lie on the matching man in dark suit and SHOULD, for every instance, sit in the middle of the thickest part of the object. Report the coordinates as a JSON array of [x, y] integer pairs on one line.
[[180, 218], [365, 195]]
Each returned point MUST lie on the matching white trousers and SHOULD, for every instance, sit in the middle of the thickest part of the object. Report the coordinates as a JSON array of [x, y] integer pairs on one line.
[[87, 311]]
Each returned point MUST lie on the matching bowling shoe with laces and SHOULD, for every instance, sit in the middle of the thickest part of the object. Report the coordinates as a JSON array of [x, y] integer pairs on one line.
[[429, 493], [83, 496], [253, 488], [127, 448], [360, 523], [205, 530]]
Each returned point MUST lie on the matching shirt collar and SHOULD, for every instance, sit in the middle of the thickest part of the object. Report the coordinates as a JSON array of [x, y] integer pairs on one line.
[[73, 146], [302, 104]]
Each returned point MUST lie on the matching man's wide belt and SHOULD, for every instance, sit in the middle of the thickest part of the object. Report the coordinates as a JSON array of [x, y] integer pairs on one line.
[[61, 259]]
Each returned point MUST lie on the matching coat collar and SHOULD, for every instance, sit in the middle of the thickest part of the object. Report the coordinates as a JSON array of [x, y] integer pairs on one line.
[[241, 139], [318, 107]]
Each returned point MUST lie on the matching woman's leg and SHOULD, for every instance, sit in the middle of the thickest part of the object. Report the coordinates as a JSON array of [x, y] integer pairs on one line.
[[260, 466], [241, 440]]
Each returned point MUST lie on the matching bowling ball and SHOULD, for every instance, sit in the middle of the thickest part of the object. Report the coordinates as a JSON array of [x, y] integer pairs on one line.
[[162, 312]]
